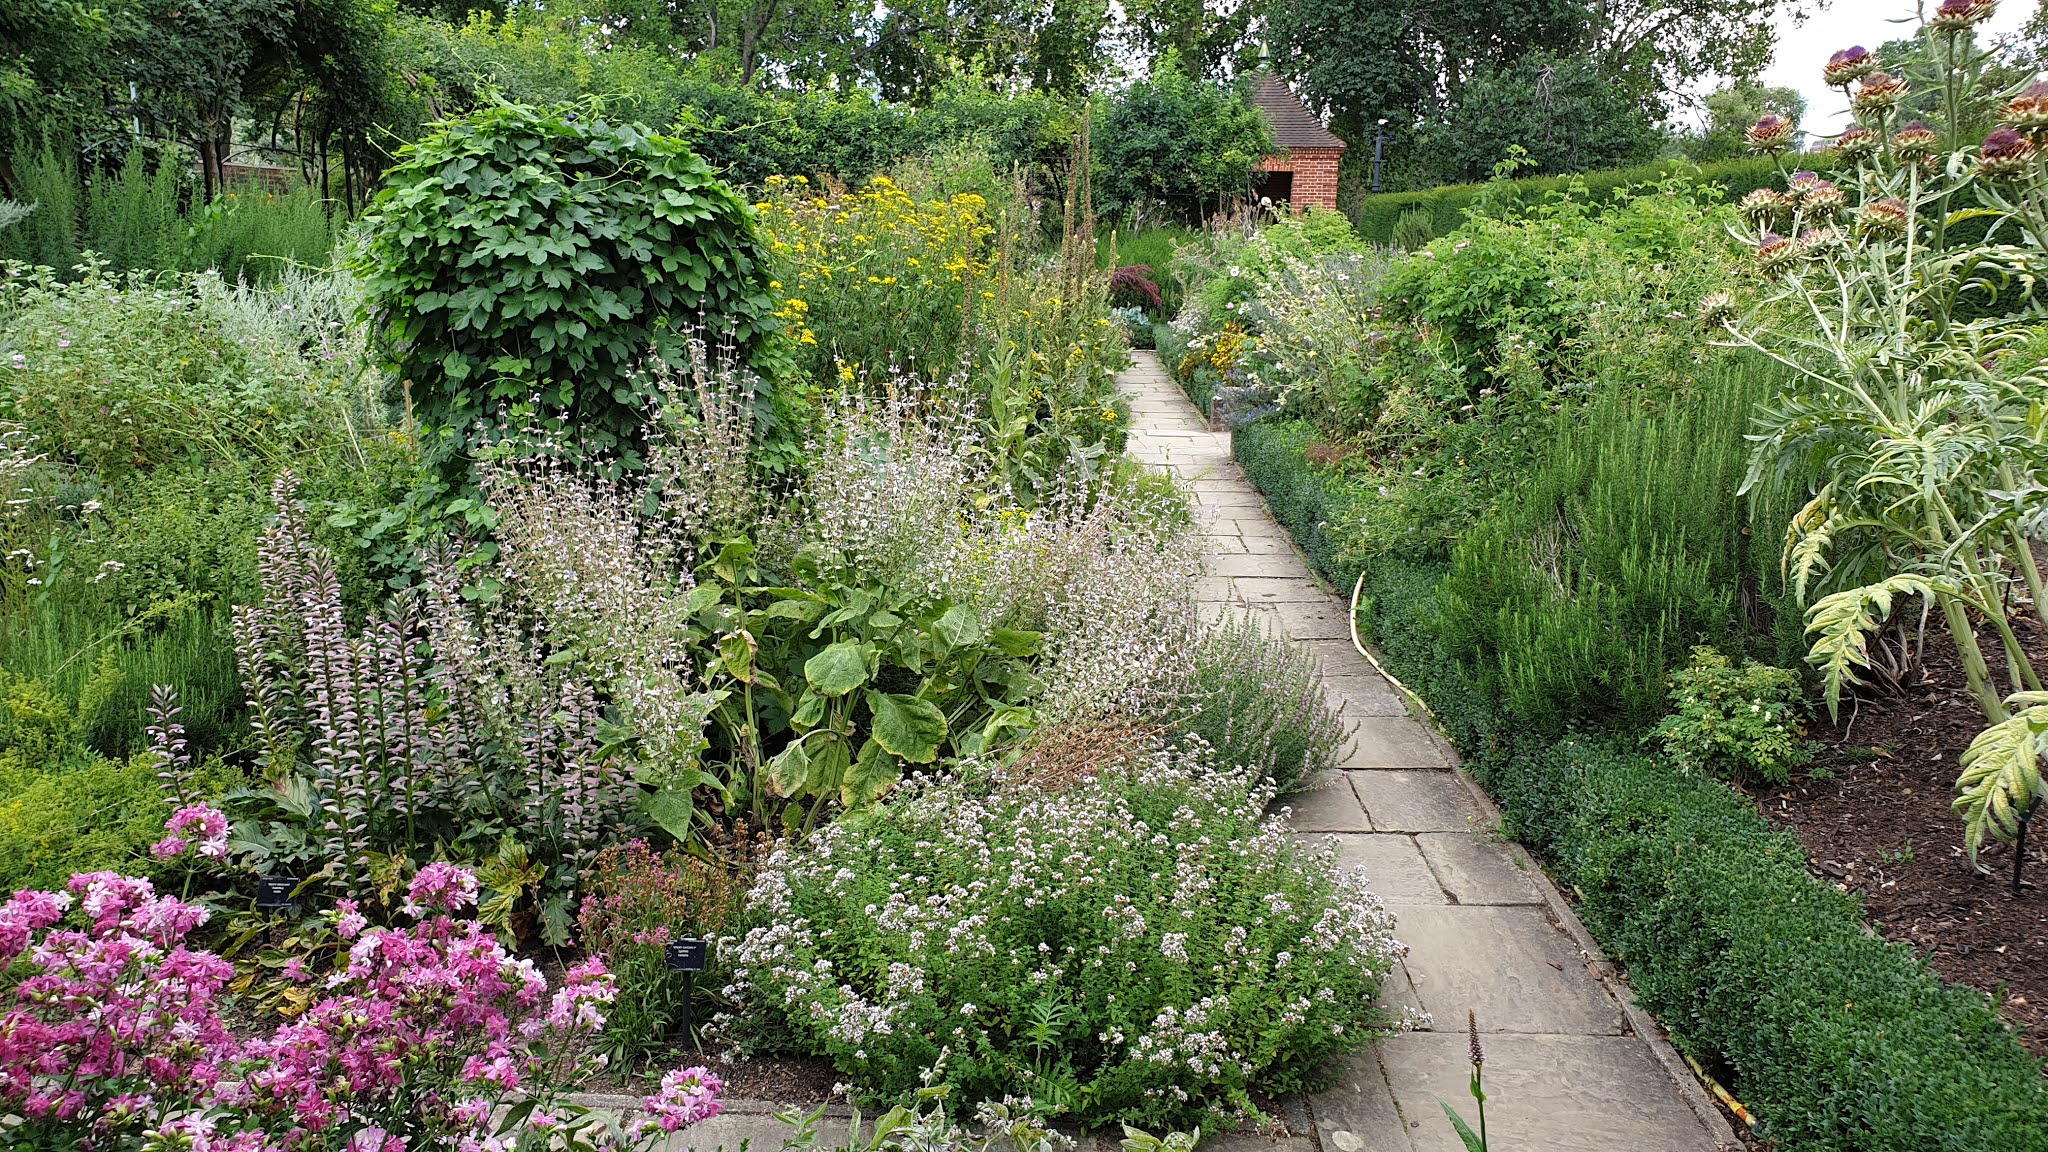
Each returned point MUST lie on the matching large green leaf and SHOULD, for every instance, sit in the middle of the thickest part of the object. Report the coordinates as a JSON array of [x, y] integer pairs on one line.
[[830, 758], [1017, 641], [2001, 778], [838, 668], [789, 772], [673, 810], [908, 726], [959, 627], [870, 777]]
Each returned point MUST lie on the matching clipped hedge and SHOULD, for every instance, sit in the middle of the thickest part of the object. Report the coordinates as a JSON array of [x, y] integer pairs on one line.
[[1836, 1039], [1446, 205]]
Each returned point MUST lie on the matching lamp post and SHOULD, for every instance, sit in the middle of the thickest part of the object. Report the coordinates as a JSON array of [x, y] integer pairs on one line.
[[1379, 151]]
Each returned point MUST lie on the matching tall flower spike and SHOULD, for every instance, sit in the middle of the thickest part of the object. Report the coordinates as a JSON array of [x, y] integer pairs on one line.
[[167, 746], [1472, 1023]]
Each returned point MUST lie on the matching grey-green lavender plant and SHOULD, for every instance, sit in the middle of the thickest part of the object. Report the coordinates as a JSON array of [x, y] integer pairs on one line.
[[1258, 701]]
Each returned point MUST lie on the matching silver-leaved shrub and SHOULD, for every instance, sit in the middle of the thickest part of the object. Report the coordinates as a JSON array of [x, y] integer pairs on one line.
[[1140, 945]]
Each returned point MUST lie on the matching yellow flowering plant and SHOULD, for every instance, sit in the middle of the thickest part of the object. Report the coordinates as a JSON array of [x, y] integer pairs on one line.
[[875, 276]]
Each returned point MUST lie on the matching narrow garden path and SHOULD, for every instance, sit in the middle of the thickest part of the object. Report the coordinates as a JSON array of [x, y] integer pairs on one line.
[[1571, 1063]]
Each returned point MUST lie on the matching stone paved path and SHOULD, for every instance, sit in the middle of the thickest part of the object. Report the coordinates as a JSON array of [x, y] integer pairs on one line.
[[1570, 1062]]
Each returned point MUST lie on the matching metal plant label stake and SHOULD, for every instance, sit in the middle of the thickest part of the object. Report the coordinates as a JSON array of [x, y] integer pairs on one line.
[[687, 955]]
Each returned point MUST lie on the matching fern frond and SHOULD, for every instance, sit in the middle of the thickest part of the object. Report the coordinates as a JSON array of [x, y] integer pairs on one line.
[[2001, 779], [1844, 622]]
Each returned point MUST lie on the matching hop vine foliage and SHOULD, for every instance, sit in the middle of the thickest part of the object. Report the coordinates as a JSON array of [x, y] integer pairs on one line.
[[519, 248]]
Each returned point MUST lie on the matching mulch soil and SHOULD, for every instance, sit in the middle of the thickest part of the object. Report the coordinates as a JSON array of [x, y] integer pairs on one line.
[[1876, 822]]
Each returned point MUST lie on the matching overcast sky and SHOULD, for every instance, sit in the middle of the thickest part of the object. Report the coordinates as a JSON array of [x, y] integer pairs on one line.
[[1803, 49]]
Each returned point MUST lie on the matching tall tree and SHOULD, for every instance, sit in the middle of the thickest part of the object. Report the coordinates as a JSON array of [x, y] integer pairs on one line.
[[1658, 46], [1731, 110], [1364, 59], [1561, 110]]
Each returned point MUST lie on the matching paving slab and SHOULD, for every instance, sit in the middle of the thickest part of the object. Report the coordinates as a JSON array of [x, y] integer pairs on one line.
[[1386, 739], [1562, 1070], [1476, 870], [1547, 1093], [1297, 589], [1327, 804], [1414, 800], [1318, 619], [1357, 1112], [1394, 867], [1510, 965]]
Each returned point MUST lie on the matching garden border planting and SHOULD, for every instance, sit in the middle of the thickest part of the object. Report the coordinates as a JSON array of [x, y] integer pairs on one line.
[[1767, 977]]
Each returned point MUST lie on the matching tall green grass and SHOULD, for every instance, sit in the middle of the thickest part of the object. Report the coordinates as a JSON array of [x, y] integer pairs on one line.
[[136, 219]]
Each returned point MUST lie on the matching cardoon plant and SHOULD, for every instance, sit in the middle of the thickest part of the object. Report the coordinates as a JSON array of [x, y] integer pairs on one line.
[[1902, 298]]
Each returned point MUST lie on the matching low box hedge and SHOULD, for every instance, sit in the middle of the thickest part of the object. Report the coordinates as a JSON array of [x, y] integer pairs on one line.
[[1835, 1039]]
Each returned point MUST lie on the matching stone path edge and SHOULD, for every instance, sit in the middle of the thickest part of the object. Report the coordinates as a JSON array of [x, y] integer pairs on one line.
[[1609, 973]]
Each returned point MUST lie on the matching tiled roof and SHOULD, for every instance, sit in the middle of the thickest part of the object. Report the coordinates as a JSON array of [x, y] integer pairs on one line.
[[1294, 126]]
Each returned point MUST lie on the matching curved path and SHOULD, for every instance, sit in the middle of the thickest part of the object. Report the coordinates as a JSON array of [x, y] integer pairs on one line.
[[1571, 1063]]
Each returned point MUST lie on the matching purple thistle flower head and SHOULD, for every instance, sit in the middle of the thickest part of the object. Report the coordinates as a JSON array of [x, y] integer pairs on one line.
[[1849, 65], [1957, 15], [1771, 133]]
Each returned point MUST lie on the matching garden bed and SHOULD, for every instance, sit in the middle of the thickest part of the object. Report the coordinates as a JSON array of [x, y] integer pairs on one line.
[[1881, 828]]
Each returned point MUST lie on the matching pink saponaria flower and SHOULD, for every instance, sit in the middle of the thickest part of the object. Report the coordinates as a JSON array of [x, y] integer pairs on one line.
[[688, 1096], [441, 887], [351, 922], [195, 824], [108, 1028]]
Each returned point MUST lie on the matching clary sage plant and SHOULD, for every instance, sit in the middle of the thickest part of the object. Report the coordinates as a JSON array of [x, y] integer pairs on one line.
[[1904, 298]]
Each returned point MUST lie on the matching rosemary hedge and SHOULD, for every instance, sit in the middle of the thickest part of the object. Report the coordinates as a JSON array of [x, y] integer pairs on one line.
[[1834, 1038]]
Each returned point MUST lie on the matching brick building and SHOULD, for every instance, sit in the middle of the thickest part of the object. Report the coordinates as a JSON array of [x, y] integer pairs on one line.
[[1305, 173]]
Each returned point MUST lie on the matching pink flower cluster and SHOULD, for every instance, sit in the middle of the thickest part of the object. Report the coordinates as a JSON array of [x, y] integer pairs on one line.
[[110, 1026], [115, 1033], [688, 1096], [195, 826], [417, 1024]]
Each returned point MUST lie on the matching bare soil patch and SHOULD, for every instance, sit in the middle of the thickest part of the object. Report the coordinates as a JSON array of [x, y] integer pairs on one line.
[[1879, 825]]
